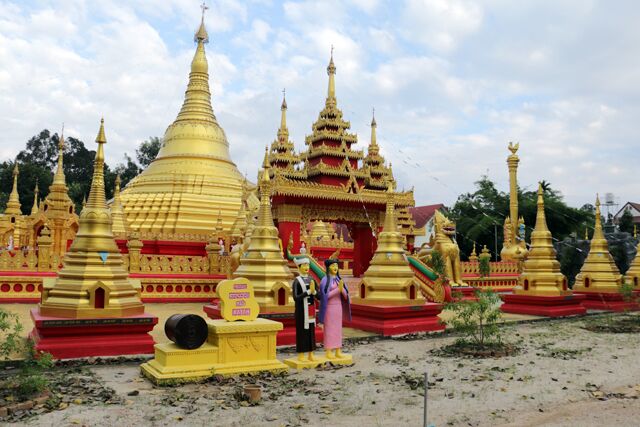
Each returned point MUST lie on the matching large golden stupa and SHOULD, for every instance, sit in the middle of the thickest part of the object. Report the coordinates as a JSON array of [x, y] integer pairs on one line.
[[193, 177]]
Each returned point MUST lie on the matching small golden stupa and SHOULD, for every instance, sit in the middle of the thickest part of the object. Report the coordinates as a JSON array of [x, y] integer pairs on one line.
[[319, 232], [541, 275], [12, 222], [119, 224], [633, 273], [263, 263], [599, 272], [389, 279], [93, 282], [193, 170]]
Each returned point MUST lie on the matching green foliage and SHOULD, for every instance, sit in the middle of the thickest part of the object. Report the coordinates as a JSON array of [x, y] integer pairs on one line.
[[480, 214], [31, 379], [570, 262], [484, 266], [620, 256], [625, 223], [436, 262], [627, 292], [148, 151], [477, 320]]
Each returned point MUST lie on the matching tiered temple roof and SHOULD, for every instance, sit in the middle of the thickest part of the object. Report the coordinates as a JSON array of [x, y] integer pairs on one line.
[[282, 156]]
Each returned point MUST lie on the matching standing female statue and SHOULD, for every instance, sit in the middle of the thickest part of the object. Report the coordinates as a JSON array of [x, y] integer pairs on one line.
[[335, 305]]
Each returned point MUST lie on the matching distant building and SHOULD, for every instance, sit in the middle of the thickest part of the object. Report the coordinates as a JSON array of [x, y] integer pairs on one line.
[[634, 208], [423, 217]]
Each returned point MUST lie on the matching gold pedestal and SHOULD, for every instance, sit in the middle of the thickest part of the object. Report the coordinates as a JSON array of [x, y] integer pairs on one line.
[[346, 359], [231, 348], [296, 363]]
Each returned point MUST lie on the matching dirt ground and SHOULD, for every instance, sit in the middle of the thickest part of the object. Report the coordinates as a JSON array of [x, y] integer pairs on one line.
[[564, 376]]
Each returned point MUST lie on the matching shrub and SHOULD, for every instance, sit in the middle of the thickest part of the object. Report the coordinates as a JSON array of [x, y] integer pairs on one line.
[[477, 320], [484, 266]]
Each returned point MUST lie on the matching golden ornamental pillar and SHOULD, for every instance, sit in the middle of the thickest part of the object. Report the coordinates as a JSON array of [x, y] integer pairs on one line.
[[512, 162], [134, 244], [44, 250]]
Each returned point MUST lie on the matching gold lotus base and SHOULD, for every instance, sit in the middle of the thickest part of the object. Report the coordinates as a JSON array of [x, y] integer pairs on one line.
[[296, 363], [231, 348]]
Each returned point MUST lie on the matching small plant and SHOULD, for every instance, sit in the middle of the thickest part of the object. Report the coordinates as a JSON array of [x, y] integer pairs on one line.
[[30, 380], [478, 320], [484, 267], [437, 263]]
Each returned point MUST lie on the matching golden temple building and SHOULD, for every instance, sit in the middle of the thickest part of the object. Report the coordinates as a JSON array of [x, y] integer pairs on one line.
[[193, 170]]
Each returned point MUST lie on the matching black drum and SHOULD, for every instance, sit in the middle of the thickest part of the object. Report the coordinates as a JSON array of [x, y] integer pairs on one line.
[[188, 331]]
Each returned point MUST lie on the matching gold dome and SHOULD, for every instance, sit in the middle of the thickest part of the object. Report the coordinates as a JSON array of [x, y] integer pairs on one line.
[[192, 172]]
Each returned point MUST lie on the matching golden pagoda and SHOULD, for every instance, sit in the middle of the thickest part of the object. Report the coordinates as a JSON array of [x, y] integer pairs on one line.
[[119, 225], [541, 275], [377, 173], [514, 247], [599, 272], [389, 279], [320, 231], [263, 263], [58, 208], [633, 273], [93, 282], [12, 222], [193, 170]]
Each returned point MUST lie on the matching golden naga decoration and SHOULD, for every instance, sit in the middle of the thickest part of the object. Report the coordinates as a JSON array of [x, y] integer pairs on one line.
[[389, 278], [193, 170], [514, 247], [541, 275], [443, 240], [93, 282], [262, 263], [599, 272]]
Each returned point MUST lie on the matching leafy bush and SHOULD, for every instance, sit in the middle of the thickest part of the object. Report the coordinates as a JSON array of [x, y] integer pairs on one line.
[[31, 379], [484, 266], [477, 320]]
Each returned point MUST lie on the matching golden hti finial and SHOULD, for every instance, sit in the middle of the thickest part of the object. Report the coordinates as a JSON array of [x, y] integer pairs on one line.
[[513, 147], [201, 35], [35, 207], [374, 125], [59, 178], [283, 114], [331, 92]]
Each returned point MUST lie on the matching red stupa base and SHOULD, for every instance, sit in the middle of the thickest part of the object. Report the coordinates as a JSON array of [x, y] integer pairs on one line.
[[607, 301], [396, 319], [287, 336], [559, 306], [68, 338]]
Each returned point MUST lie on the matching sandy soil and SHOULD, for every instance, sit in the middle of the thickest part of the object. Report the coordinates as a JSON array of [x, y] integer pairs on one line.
[[564, 376]]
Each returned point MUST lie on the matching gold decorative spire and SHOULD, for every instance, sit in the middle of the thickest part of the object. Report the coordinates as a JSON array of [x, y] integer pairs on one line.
[[192, 171], [263, 263], [633, 273], [13, 204], [283, 116], [541, 275], [119, 221], [599, 272], [389, 278], [59, 177], [34, 208], [93, 282], [374, 125], [201, 35], [331, 91], [514, 248], [474, 255]]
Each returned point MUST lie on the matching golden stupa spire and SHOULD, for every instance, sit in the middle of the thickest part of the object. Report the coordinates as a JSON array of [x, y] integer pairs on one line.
[[541, 275], [599, 272], [35, 207], [13, 204], [389, 278], [331, 91], [263, 263], [283, 131], [59, 178], [202, 35], [119, 221], [93, 282], [373, 145]]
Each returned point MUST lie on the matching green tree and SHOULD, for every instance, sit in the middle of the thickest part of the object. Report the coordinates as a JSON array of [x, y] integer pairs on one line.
[[148, 150], [480, 215], [625, 223], [477, 319]]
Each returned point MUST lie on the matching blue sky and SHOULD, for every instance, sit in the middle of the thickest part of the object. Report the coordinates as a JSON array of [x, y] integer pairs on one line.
[[452, 81]]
